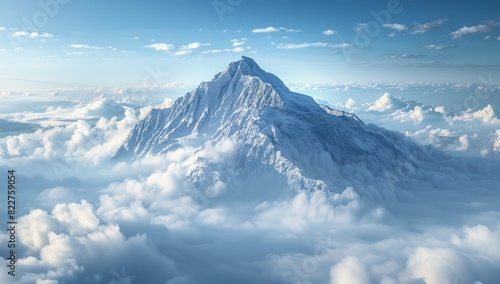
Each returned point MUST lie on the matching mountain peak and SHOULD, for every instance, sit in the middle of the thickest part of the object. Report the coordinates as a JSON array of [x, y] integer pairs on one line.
[[249, 67], [272, 126], [247, 60], [246, 66]]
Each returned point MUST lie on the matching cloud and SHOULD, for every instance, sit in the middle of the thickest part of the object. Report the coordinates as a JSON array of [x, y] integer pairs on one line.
[[78, 140], [31, 35], [58, 194], [405, 56], [86, 46], [439, 47], [329, 32], [193, 45], [426, 27], [464, 143], [167, 102], [236, 49], [350, 104], [181, 52], [470, 30], [238, 43], [273, 30], [387, 103], [2, 28], [78, 219], [213, 51], [308, 45], [266, 30], [182, 216], [496, 142], [349, 271], [434, 266], [396, 27], [480, 239], [486, 115], [71, 240], [470, 131], [290, 30], [33, 229], [306, 211], [161, 46]]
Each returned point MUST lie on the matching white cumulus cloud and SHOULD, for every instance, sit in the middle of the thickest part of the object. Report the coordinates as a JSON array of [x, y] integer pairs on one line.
[[329, 32]]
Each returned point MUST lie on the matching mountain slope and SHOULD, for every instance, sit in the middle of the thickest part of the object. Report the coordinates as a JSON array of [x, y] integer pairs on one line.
[[276, 130]]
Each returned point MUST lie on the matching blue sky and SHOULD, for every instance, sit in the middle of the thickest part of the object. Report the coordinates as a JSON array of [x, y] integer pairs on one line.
[[130, 43]]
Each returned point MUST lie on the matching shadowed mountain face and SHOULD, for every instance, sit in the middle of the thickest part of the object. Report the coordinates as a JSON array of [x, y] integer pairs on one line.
[[272, 130]]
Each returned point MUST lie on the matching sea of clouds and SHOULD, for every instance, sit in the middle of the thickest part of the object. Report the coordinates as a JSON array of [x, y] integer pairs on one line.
[[459, 118], [84, 217]]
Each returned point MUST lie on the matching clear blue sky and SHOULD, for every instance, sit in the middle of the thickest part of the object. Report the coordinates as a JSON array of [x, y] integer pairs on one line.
[[112, 43]]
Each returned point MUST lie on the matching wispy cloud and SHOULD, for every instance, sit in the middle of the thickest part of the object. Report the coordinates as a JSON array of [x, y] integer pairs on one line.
[[212, 51], [439, 47], [482, 28], [266, 30], [85, 46], [182, 52], [161, 46], [405, 56], [425, 27], [315, 44], [273, 30], [193, 45], [231, 31], [239, 42], [2, 28], [236, 49], [396, 27], [329, 32], [31, 35]]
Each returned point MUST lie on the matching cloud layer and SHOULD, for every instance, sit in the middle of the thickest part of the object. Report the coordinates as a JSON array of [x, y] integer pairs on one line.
[[91, 219]]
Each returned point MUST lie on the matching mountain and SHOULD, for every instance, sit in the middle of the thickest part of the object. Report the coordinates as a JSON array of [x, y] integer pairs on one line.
[[282, 135]]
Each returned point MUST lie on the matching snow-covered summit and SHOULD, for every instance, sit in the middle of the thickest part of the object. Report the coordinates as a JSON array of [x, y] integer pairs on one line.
[[246, 66]]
